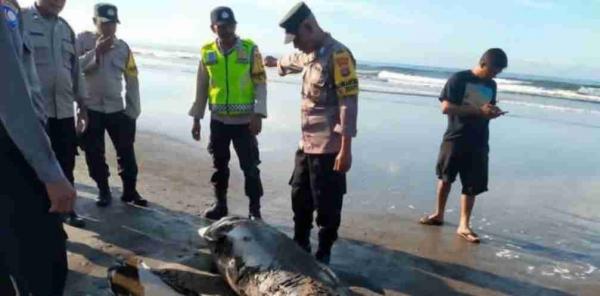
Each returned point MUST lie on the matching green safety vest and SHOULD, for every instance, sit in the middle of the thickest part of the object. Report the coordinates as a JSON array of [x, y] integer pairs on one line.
[[231, 90]]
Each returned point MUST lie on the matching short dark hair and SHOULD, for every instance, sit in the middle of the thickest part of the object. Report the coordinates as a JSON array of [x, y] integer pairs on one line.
[[495, 57]]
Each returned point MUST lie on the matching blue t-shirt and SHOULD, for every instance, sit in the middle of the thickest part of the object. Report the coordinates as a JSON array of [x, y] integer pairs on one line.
[[464, 88]]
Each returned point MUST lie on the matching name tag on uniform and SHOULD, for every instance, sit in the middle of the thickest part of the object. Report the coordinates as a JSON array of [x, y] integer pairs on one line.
[[211, 58]]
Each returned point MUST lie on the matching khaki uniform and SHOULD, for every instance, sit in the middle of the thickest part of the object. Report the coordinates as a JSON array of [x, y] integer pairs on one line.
[[53, 43], [329, 95], [107, 112], [104, 76], [329, 112]]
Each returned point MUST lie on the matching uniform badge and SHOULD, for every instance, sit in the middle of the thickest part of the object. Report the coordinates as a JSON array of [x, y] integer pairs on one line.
[[343, 64], [110, 12], [12, 19], [345, 76], [242, 56], [211, 58], [224, 15]]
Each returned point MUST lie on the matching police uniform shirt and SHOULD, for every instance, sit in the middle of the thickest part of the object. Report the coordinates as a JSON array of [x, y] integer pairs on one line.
[[53, 45], [104, 76], [260, 90], [329, 95], [18, 118]]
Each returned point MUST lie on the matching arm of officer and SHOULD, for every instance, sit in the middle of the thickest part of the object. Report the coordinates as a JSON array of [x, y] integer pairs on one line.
[[86, 52], [346, 85], [199, 107], [291, 64], [18, 116], [133, 107], [81, 93], [259, 78]]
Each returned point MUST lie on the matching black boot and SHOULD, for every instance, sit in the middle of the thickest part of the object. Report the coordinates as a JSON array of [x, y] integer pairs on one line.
[[219, 209], [302, 238], [130, 194], [323, 256], [74, 220], [254, 209], [326, 241], [104, 198]]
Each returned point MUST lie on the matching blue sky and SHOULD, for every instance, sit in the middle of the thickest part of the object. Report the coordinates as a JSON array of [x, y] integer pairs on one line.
[[557, 38]]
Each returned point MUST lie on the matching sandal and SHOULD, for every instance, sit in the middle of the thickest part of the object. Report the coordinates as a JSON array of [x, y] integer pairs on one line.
[[471, 237], [428, 220]]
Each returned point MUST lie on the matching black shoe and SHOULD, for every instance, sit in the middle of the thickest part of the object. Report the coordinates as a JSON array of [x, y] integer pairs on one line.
[[305, 245], [134, 198], [216, 212], [323, 256], [254, 214], [104, 199], [74, 220]]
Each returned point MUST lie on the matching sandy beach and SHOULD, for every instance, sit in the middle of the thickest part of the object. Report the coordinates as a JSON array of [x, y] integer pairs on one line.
[[539, 222], [380, 254]]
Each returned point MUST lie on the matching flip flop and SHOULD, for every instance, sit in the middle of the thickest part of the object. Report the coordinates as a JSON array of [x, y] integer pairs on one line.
[[471, 237], [427, 220]]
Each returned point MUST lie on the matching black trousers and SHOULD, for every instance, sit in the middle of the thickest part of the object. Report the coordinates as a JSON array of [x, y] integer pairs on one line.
[[316, 186], [121, 130], [63, 136], [246, 147], [32, 241]]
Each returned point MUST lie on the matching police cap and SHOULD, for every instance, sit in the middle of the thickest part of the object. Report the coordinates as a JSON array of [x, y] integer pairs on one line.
[[292, 21], [222, 15], [106, 13]]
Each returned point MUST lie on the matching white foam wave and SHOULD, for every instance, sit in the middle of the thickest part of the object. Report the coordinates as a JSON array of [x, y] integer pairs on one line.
[[167, 54], [545, 92], [589, 94], [407, 79], [594, 91], [552, 107]]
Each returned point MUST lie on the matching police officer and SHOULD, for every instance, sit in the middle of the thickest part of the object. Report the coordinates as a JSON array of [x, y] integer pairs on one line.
[[329, 114], [53, 43], [33, 188], [106, 61], [232, 80]]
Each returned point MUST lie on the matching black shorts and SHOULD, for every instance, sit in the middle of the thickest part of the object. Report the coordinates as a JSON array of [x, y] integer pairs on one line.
[[471, 164]]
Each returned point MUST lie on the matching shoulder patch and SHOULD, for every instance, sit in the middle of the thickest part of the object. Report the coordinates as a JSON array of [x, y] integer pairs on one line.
[[11, 13], [345, 76], [131, 68], [259, 74]]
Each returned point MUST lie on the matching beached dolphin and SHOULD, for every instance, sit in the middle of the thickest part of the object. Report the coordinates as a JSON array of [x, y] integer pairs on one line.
[[258, 260], [134, 278]]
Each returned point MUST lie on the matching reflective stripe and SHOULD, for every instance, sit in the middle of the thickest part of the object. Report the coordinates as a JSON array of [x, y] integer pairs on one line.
[[232, 108]]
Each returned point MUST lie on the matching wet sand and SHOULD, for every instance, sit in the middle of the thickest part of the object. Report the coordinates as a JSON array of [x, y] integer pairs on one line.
[[379, 254], [539, 222]]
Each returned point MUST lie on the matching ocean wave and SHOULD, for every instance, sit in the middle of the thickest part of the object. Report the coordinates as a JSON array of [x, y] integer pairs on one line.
[[420, 81], [166, 54], [505, 85], [552, 107], [594, 91]]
